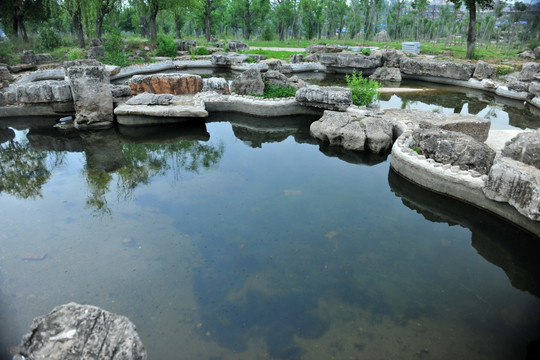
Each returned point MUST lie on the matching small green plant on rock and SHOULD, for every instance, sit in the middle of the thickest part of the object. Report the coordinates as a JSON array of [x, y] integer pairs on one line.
[[366, 51], [417, 150], [272, 91], [76, 54], [364, 91]]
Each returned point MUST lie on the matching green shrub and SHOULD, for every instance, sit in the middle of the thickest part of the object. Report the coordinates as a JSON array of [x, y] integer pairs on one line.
[[503, 70], [48, 38], [364, 91], [251, 60], [268, 33], [366, 51], [533, 43], [6, 50], [166, 45], [114, 49], [202, 51], [272, 91], [76, 53]]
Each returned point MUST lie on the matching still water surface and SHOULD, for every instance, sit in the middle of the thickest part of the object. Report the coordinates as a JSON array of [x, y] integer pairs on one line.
[[247, 239]]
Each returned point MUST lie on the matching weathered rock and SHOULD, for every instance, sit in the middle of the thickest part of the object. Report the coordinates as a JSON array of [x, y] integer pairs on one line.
[[43, 59], [296, 59], [8, 98], [44, 92], [534, 88], [228, 59], [527, 54], [166, 84], [92, 96], [537, 52], [95, 50], [186, 45], [379, 134], [529, 72], [5, 74], [386, 74], [296, 83], [150, 99], [382, 36], [525, 147], [276, 78], [120, 91], [516, 183], [219, 85], [74, 331], [21, 67], [248, 83], [340, 129], [517, 85], [348, 61], [273, 64], [257, 57], [447, 69], [327, 97], [449, 147], [28, 57], [48, 74], [234, 45], [483, 70], [391, 58], [319, 49], [80, 62]]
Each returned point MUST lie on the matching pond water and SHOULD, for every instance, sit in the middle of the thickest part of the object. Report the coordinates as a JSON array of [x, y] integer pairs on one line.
[[247, 239]]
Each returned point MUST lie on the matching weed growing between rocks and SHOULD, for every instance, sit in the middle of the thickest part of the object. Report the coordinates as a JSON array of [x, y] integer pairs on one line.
[[272, 91], [166, 46], [364, 91]]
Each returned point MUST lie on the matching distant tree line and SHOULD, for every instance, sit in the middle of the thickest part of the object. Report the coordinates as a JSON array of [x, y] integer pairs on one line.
[[495, 23]]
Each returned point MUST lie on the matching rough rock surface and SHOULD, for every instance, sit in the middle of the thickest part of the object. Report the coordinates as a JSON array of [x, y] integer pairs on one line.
[[296, 59], [454, 148], [120, 91], [392, 58], [28, 57], [228, 59], [386, 74], [276, 78], [166, 84], [351, 61], [483, 70], [534, 88], [95, 50], [447, 69], [340, 129], [44, 92], [92, 96], [379, 134], [234, 45], [327, 97], [5, 74], [516, 183], [527, 54], [517, 85], [219, 85], [525, 147], [43, 59], [530, 71], [186, 45], [319, 49], [150, 99], [382, 36], [74, 331], [273, 64], [248, 83]]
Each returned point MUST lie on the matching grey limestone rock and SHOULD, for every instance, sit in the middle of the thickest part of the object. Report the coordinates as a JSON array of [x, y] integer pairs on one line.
[[74, 331], [43, 59], [534, 88], [120, 91], [296, 59], [348, 61], [276, 78], [150, 99], [447, 69], [273, 64], [325, 97], [527, 54], [92, 96], [379, 134], [483, 70], [386, 74], [227, 59], [5, 74], [392, 58], [95, 51], [234, 45], [219, 85], [525, 147], [516, 183], [340, 129], [28, 57], [454, 148], [516, 85], [186, 45], [318, 49], [45, 91], [529, 72], [382, 36], [248, 83]]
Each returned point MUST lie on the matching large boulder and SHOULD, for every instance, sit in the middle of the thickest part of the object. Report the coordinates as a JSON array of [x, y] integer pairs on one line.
[[483, 70], [248, 83], [529, 72], [74, 331], [525, 147], [516, 183], [227, 59], [92, 96], [95, 50], [391, 57], [150, 99], [166, 84], [340, 129], [447, 69], [320, 49], [296, 59], [5, 74], [454, 148], [379, 134], [186, 45], [325, 97], [45, 91], [219, 85], [534, 88], [517, 85], [386, 74], [382, 36], [234, 45], [348, 61], [43, 59], [28, 57], [276, 78]]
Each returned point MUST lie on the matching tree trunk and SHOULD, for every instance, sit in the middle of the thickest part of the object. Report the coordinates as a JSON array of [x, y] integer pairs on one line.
[[22, 28], [99, 26], [207, 13], [15, 26], [78, 25], [471, 34], [178, 23], [247, 21], [144, 26], [154, 8]]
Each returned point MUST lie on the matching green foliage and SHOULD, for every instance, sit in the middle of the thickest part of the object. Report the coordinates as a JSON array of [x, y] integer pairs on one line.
[[166, 45], [503, 70], [281, 55], [533, 43], [267, 34], [48, 38], [113, 46], [417, 150], [364, 91], [251, 60], [272, 91], [6, 50], [366, 51], [202, 51], [76, 53]]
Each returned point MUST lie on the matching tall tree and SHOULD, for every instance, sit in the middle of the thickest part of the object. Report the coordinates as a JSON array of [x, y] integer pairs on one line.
[[16, 12], [75, 10], [471, 32]]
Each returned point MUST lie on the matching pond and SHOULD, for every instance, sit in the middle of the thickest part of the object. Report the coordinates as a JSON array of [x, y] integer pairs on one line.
[[246, 239]]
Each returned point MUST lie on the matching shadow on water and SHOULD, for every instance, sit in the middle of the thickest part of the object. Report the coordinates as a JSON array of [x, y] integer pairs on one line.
[[499, 242]]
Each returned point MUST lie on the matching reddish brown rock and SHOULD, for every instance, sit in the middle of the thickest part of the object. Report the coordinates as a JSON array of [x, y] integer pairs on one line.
[[176, 84]]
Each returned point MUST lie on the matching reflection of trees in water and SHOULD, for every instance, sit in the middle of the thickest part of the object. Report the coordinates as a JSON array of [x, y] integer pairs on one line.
[[98, 186], [23, 171]]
